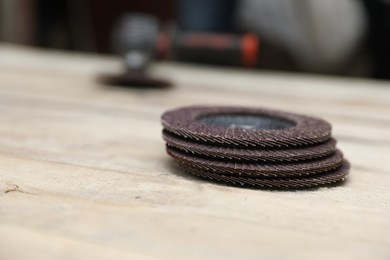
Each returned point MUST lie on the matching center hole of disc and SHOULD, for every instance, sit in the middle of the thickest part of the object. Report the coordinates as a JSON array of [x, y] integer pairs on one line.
[[249, 122]]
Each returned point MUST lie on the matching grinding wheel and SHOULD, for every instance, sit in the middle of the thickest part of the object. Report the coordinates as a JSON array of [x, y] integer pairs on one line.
[[328, 178], [255, 147], [240, 126], [254, 154], [307, 167]]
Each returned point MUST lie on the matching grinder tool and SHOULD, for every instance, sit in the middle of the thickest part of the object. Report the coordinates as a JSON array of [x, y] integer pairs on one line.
[[138, 40]]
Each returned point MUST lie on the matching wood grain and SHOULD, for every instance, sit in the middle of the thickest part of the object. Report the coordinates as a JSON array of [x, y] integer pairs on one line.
[[84, 173]]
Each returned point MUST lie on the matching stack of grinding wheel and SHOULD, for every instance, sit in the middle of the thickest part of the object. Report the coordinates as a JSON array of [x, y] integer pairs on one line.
[[254, 147]]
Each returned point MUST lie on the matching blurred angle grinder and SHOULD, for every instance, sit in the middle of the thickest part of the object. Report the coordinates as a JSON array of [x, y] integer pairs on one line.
[[138, 40]]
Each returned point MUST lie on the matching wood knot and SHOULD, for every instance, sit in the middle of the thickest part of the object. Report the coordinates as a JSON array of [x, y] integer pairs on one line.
[[11, 188]]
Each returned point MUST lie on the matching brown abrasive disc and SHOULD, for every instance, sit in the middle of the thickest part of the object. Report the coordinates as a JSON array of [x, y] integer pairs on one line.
[[246, 127], [313, 181], [254, 154], [301, 168], [254, 147]]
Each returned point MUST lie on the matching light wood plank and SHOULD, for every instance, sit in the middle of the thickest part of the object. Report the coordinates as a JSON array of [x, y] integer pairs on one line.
[[84, 174]]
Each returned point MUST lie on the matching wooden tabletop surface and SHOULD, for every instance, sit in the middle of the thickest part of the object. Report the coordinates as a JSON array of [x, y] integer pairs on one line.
[[84, 173]]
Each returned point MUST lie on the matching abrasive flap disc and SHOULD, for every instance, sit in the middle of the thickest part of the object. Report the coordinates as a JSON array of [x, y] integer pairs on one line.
[[255, 147]]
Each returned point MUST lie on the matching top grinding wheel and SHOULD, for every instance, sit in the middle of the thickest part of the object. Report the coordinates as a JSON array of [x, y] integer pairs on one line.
[[240, 145], [240, 126]]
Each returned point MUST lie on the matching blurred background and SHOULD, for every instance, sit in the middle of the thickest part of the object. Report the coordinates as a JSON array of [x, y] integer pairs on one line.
[[339, 37]]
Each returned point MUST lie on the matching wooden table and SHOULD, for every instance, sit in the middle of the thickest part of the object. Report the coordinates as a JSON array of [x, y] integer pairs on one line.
[[84, 173]]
